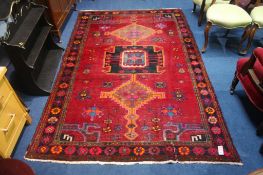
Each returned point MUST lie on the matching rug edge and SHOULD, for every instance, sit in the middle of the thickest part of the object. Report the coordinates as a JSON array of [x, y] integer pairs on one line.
[[215, 96], [133, 163], [111, 10]]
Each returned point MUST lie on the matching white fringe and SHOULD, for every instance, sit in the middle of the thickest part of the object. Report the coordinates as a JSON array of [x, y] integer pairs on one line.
[[129, 9], [134, 163]]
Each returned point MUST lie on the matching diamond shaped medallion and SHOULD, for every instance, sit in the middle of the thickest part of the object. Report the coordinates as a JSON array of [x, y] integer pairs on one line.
[[133, 33], [132, 94]]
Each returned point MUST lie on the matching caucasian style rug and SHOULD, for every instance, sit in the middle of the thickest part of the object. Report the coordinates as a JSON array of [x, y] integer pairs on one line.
[[132, 89]]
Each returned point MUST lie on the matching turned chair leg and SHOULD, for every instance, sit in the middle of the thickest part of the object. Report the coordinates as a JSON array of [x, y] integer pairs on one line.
[[250, 38], [201, 13], [245, 35], [75, 7], [260, 129], [200, 18], [194, 8], [234, 84], [227, 32], [206, 32], [261, 149]]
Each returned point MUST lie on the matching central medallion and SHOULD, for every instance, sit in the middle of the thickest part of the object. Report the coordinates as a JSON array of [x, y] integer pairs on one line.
[[134, 59], [132, 95]]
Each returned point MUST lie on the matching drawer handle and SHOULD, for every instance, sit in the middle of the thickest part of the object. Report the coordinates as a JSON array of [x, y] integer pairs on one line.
[[9, 124]]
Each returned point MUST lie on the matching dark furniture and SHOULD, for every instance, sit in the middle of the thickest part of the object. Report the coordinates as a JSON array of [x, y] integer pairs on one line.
[[14, 167], [234, 15], [257, 21], [6, 8], [249, 72], [32, 50], [204, 5], [57, 12]]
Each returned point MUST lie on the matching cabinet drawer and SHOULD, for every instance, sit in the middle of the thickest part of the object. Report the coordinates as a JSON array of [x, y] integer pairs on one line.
[[12, 120], [5, 91]]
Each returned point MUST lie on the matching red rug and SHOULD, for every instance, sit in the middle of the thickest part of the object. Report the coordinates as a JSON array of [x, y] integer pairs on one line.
[[132, 88]]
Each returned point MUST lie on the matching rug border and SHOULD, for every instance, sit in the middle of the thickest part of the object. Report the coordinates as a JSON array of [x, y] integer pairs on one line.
[[227, 133]]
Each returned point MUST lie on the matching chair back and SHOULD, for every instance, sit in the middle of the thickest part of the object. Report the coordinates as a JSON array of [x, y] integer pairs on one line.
[[254, 68], [248, 5]]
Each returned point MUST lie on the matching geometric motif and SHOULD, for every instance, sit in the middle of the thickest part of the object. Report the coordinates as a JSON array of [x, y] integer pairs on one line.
[[198, 138], [92, 112], [132, 95], [134, 59], [171, 111], [133, 33], [85, 133], [177, 131]]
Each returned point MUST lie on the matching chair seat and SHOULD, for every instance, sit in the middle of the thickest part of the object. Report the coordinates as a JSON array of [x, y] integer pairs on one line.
[[208, 2], [253, 93], [228, 16], [257, 15]]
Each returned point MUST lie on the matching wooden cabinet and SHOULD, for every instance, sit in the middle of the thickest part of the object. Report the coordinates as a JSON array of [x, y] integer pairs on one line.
[[57, 12], [13, 116]]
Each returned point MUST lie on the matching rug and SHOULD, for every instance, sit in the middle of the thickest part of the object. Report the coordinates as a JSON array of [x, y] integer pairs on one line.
[[132, 88]]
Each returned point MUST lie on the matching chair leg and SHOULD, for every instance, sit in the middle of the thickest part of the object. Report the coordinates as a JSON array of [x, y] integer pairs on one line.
[[244, 37], [261, 149], [201, 13], [200, 18], [194, 8], [206, 32], [234, 84], [245, 33], [260, 129], [227, 32], [250, 39]]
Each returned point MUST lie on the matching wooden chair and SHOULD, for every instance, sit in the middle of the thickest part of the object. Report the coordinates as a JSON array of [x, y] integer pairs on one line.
[[228, 16], [249, 72], [204, 5], [257, 20]]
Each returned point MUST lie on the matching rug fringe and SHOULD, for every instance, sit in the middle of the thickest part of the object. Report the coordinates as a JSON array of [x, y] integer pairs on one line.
[[133, 163], [129, 9]]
